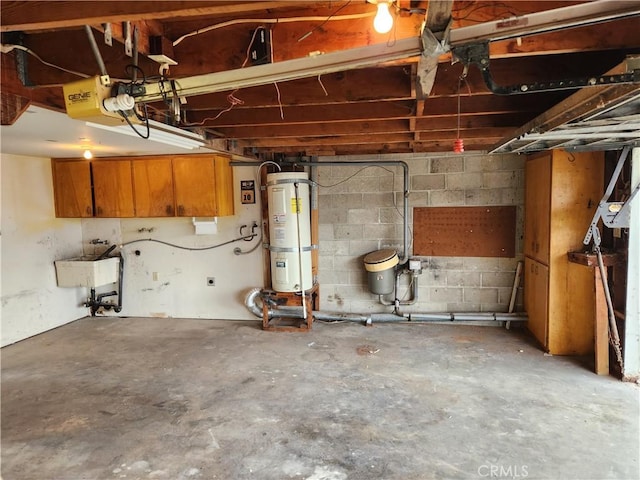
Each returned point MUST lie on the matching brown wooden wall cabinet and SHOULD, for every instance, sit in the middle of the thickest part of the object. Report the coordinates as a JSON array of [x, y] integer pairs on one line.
[[156, 186], [112, 189], [72, 188], [153, 187], [562, 192]]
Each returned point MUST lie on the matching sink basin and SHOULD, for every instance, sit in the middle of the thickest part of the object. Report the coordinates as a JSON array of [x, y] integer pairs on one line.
[[87, 271]]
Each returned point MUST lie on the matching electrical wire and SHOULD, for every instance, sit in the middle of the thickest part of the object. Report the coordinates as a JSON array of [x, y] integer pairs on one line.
[[6, 48], [326, 94], [192, 249], [279, 101], [393, 176], [508, 10], [271, 21], [310, 32]]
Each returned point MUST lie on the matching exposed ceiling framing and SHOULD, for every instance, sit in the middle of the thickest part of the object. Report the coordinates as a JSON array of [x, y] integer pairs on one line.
[[377, 109]]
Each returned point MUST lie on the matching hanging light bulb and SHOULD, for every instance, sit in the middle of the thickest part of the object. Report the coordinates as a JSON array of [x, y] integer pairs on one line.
[[87, 154], [383, 21]]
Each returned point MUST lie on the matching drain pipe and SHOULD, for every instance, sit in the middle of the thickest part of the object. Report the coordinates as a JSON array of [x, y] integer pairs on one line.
[[296, 312], [414, 290]]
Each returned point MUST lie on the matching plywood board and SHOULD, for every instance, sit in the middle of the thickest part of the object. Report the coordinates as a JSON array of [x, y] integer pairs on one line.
[[464, 231]]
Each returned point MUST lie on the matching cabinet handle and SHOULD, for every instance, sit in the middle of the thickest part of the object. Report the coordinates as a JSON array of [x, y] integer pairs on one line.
[[532, 266], [180, 210], [169, 210], [89, 211], [99, 210]]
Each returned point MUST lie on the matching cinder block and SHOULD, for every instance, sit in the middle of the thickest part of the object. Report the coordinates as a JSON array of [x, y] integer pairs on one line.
[[363, 216], [491, 162], [473, 163], [428, 182], [348, 232], [347, 200], [363, 184], [481, 264], [362, 247], [333, 215], [513, 161], [446, 198], [463, 307], [481, 295], [445, 294], [376, 200], [390, 183], [504, 295], [419, 166], [447, 165], [325, 262], [325, 232], [379, 230], [416, 199], [337, 247], [464, 181], [348, 263], [359, 277], [493, 307], [463, 279], [391, 215], [502, 179], [512, 196], [333, 186], [483, 197], [497, 279], [324, 202]]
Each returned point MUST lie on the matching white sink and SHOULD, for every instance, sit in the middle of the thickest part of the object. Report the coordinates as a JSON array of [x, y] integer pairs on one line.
[[87, 271]]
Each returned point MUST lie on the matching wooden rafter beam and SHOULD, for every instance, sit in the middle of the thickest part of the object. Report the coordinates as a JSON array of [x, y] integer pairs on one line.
[[47, 15], [365, 111]]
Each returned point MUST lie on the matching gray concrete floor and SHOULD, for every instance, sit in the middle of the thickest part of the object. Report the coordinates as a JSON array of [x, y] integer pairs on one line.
[[108, 398]]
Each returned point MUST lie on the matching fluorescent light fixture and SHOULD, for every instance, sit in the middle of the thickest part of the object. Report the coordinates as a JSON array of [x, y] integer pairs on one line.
[[158, 132]]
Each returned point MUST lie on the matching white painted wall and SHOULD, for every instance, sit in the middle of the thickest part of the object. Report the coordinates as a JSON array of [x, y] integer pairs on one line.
[[167, 282], [32, 238]]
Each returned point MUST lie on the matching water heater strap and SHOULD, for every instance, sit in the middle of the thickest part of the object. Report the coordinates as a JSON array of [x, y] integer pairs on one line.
[[290, 180], [292, 249]]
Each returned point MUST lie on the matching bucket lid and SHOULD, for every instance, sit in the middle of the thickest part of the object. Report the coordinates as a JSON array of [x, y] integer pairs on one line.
[[380, 260]]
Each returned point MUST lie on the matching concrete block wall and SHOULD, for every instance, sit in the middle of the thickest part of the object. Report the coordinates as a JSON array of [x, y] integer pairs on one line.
[[361, 211]]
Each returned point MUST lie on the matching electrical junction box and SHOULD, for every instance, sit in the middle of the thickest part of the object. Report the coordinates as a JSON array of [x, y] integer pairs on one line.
[[260, 50], [415, 264]]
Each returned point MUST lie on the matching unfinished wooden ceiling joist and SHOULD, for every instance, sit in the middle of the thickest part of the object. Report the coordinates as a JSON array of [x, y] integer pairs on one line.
[[375, 109]]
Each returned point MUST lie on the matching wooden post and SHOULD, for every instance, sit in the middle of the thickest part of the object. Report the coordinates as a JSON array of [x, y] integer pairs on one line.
[[601, 325]]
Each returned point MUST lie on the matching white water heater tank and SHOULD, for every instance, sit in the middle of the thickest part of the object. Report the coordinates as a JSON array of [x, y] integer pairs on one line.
[[289, 231]]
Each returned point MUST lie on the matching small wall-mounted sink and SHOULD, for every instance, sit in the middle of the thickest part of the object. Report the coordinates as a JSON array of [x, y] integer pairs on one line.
[[87, 271]]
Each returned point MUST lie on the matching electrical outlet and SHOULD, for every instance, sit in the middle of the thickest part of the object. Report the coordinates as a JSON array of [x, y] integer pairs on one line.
[[211, 281]]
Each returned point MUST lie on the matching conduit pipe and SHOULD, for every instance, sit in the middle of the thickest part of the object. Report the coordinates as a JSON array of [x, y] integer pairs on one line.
[[413, 286], [379, 163], [297, 312]]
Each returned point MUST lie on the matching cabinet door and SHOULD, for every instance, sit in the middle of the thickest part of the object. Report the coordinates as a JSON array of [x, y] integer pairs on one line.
[[112, 188], [536, 287], [195, 183], [537, 207], [72, 188], [153, 187], [224, 187]]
